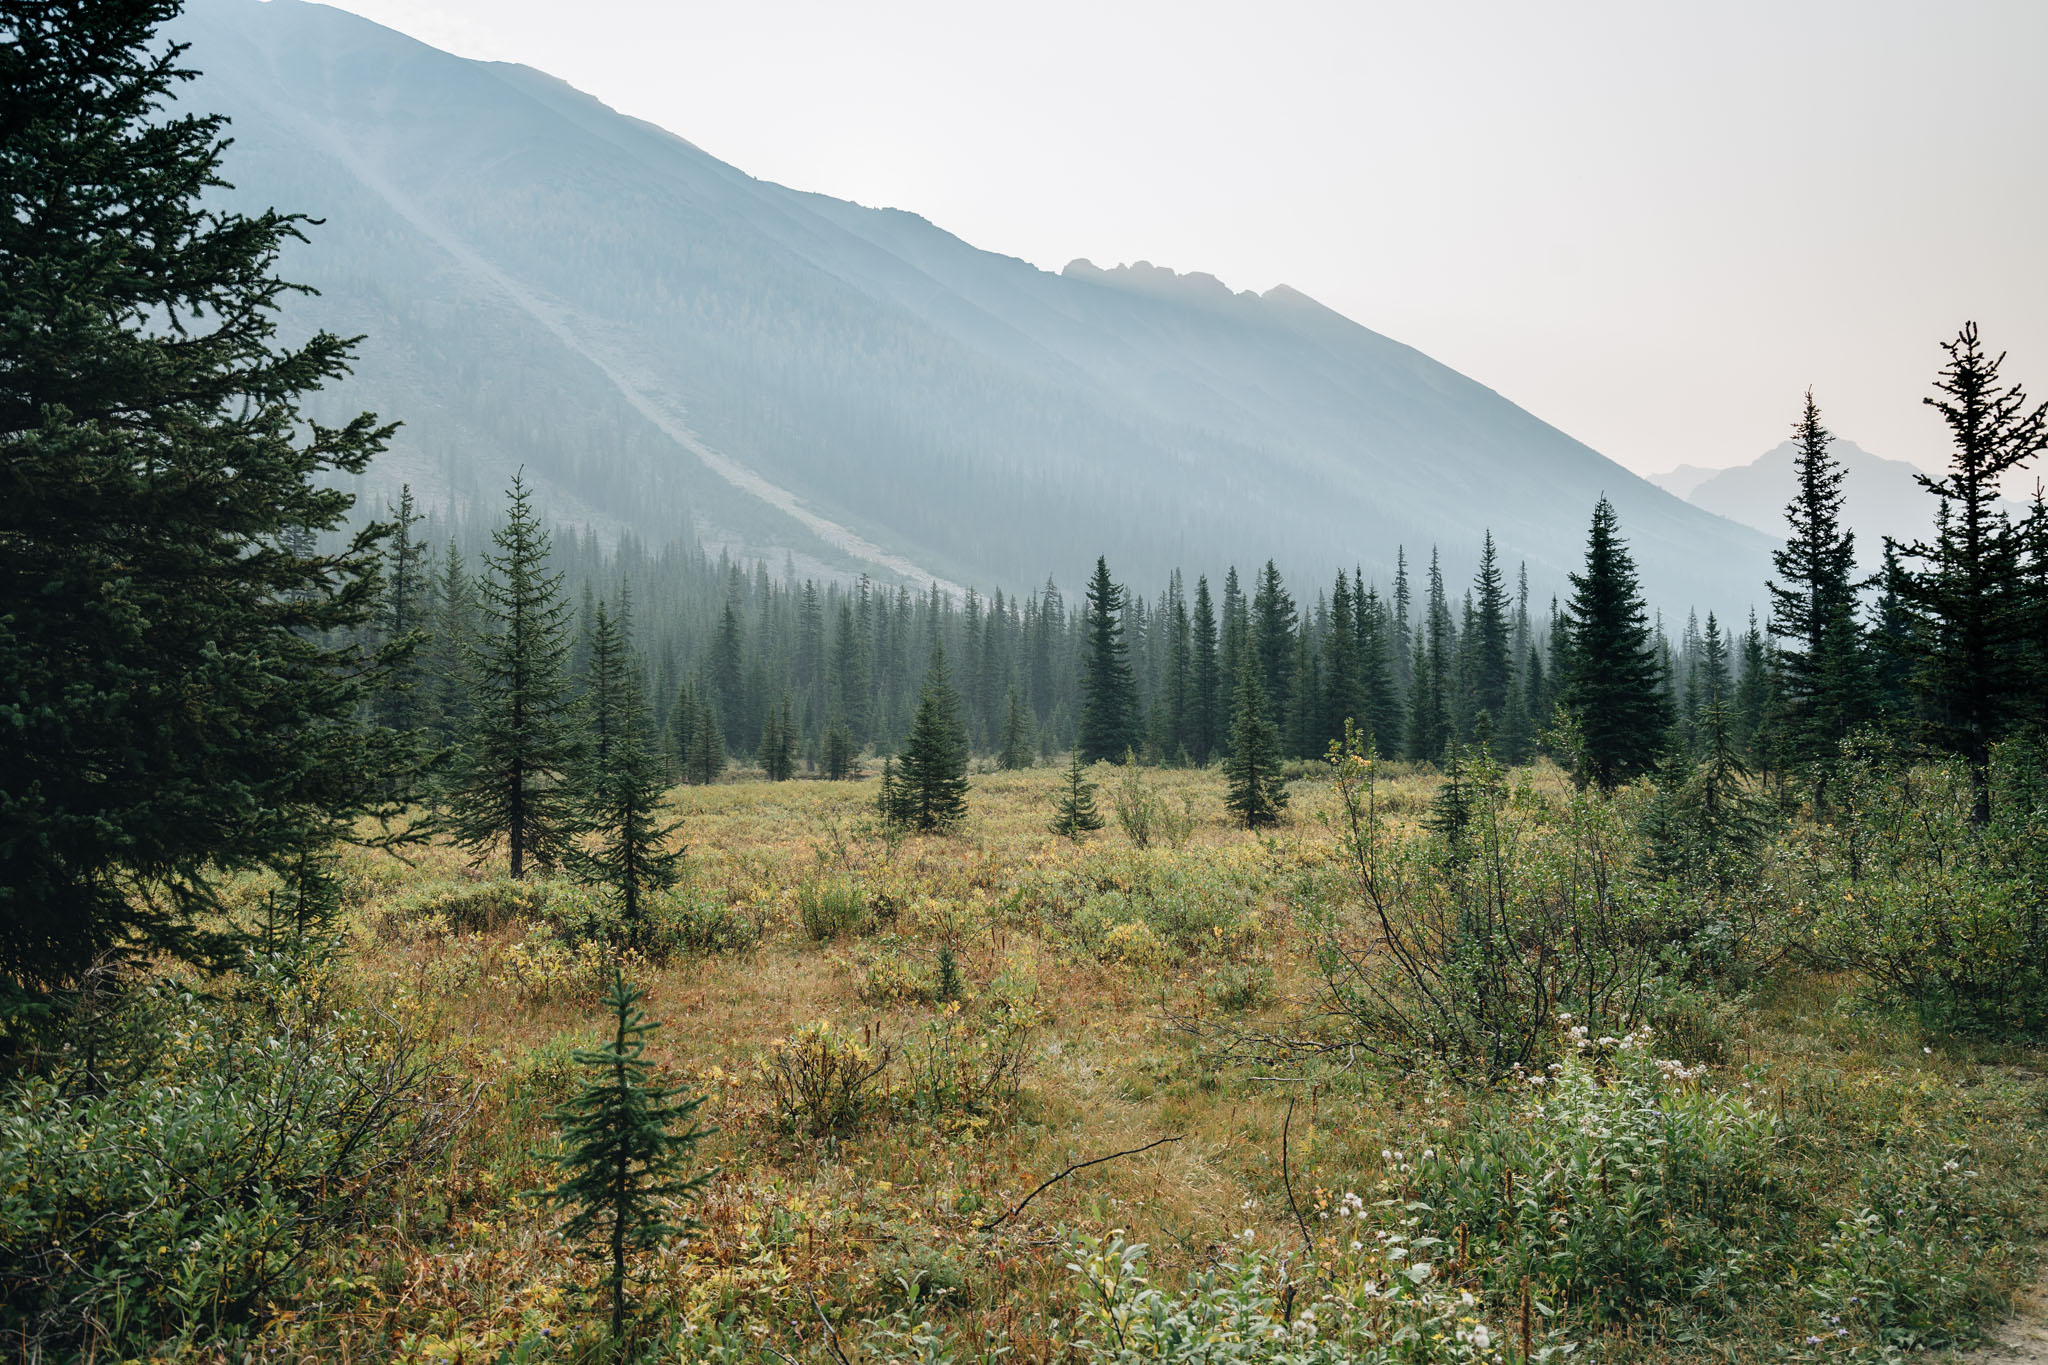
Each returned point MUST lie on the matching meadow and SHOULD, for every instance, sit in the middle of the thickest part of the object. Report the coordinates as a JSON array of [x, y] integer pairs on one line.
[[1756, 1153]]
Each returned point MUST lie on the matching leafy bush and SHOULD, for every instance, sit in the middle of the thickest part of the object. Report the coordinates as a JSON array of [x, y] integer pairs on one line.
[[175, 1198], [962, 1064], [1618, 1187], [821, 1080], [464, 907], [698, 925], [1465, 947], [1947, 917]]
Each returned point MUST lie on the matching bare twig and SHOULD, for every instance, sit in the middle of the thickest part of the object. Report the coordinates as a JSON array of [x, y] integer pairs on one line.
[[1077, 1166], [1287, 1179], [831, 1332]]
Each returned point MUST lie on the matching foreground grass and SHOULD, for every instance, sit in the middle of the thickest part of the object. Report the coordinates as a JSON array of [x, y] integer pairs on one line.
[[1137, 983]]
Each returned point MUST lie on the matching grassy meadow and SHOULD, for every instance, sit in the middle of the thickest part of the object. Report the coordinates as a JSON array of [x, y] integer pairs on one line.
[[900, 1038]]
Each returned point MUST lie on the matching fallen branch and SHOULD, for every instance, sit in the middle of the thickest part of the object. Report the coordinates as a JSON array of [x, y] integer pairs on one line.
[[1077, 1166]]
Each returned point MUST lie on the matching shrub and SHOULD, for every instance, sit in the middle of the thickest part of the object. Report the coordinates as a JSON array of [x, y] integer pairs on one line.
[[178, 1197], [1466, 946], [892, 979], [698, 925], [1237, 989], [464, 907], [1936, 912], [830, 908], [969, 1065], [821, 1080], [1616, 1186]]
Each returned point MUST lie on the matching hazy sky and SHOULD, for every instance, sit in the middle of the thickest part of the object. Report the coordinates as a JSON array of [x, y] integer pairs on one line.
[[1652, 224]]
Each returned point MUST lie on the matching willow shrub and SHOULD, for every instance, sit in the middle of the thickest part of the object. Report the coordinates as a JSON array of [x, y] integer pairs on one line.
[[168, 1192], [1946, 916]]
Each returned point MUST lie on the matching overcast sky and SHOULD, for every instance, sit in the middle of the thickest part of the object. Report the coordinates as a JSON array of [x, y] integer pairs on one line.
[[1652, 224]]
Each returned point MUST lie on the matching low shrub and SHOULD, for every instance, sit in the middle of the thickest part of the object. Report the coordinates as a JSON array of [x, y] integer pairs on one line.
[[822, 1080], [964, 1064], [177, 1198]]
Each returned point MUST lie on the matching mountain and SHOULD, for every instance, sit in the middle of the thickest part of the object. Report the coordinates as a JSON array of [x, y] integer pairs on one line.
[[663, 342], [1880, 497], [1682, 479]]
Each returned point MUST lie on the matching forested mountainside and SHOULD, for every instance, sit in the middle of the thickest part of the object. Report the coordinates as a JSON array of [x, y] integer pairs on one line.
[[661, 340]]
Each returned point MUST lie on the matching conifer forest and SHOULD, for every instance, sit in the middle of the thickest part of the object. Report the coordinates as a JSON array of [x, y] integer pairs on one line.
[[470, 930]]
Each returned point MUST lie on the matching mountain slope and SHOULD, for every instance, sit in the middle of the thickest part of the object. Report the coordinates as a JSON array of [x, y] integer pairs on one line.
[[1880, 497], [656, 336]]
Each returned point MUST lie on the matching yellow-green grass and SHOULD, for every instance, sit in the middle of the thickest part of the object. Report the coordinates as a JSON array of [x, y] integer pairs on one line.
[[470, 1263]]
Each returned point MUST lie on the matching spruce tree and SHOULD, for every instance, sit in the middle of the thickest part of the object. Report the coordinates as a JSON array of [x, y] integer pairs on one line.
[[1343, 695], [838, 753], [1273, 621], [1822, 685], [1614, 687], [621, 788], [1207, 700], [403, 702], [1074, 812], [1017, 745], [1385, 715], [521, 748], [778, 742], [1109, 696], [1257, 791], [931, 782], [628, 1141], [452, 637], [178, 694], [1489, 673], [1964, 590]]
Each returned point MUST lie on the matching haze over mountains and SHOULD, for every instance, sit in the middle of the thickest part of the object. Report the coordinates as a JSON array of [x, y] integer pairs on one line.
[[661, 340], [1880, 497]]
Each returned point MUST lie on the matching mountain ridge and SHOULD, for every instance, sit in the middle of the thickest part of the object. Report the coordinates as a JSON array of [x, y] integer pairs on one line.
[[544, 282]]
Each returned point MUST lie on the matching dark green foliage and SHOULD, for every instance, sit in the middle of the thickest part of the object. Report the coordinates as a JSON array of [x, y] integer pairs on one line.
[[175, 1175], [931, 784], [1822, 683], [1109, 697], [1705, 826], [1074, 812], [1614, 687], [1273, 619], [838, 756], [1017, 742], [628, 1141], [1488, 673], [621, 786], [1963, 593], [778, 743], [1205, 702], [1430, 677], [404, 618], [450, 640], [949, 987], [1258, 792], [521, 748], [172, 707]]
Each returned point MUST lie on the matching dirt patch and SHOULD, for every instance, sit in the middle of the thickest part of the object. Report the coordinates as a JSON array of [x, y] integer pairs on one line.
[[2023, 1338]]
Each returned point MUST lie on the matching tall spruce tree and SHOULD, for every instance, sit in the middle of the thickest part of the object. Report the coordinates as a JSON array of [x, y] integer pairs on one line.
[[1016, 747], [522, 746], [1109, 695], [1207, 683], [1489, 672], [1256, 792], [175, 705], [1823, 688], [1964, 590], [628, 1141], [931, 780], [403, 702], [621, 787], [1614, 688]]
